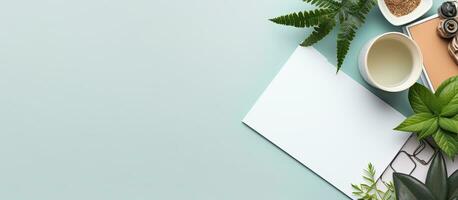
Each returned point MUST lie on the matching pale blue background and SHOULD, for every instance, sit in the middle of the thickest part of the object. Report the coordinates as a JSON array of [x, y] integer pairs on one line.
[[142, 99]]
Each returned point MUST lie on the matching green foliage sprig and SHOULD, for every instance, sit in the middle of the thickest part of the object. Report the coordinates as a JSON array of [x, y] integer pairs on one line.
[[369, 189], [435, 115], [350, 14], [438, 185]]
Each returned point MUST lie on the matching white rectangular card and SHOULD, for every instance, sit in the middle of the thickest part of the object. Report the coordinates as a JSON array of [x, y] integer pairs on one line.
[[327, 121]]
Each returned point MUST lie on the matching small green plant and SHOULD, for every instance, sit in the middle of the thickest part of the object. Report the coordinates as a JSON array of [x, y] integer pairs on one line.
[[350, 14], [435, 115], [438, 185], [369, 189]]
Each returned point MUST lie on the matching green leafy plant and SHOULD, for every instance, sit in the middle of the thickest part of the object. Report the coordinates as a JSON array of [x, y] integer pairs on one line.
[[435, 115], [350, 14], [438, 185], [369, 189]]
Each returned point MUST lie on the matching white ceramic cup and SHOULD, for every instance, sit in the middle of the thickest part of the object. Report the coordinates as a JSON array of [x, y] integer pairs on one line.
[[391, 62]]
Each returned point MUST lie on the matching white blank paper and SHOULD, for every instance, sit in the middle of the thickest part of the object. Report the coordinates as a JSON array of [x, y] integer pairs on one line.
[[327, 121]]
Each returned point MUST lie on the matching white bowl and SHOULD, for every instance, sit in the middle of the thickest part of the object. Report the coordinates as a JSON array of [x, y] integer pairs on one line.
[[409, 79], [424, 6]]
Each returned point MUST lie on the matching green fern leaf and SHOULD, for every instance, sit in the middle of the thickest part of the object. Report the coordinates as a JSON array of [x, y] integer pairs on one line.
[[319, 33], [369, 189], [305, 18], [344, 37], [324, 3], [350, 14], [350, 23], [363, 7]]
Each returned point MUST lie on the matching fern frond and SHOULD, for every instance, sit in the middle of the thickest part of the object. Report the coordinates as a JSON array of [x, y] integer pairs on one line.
[[305, 18], [324, 3], [370, 191], [319, 33], [363, 7], [350, 14], [344, 37]]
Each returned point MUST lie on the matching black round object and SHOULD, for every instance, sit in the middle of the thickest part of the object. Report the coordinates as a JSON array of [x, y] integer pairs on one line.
[[448, 9]]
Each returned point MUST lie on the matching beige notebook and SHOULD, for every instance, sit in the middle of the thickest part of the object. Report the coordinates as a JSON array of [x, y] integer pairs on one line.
[[438, 64]]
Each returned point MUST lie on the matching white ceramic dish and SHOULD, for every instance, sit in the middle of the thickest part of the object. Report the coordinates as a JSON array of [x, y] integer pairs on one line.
[[407, 79], [424, 6]]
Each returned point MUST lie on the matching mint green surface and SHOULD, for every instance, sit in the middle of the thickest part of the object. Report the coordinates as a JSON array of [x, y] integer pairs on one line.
[[143, 99]]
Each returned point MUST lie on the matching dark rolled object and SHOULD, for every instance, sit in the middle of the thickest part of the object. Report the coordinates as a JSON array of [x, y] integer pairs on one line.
[[448, 9], [453, 49], [448, 28]]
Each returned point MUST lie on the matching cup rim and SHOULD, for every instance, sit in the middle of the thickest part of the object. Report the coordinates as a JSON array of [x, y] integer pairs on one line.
[[414, 75]]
